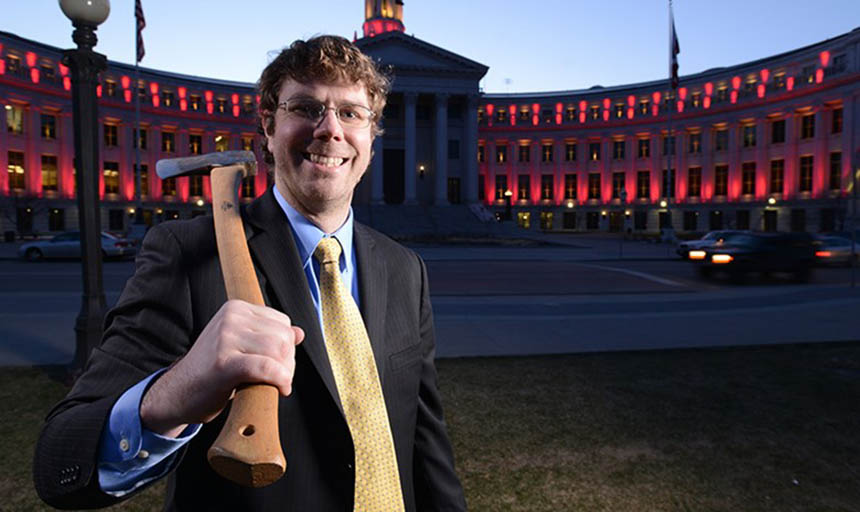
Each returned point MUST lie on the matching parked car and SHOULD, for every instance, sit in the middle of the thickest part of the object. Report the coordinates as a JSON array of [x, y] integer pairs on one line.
[[765, 253], [711, 238], [834, 250], [68, 245]]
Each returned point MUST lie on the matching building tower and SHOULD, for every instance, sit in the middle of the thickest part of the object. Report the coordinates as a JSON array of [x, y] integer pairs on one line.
[[382, 16]]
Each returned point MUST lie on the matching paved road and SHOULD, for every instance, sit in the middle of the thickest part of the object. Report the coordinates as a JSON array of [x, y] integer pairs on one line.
[[513, 300]]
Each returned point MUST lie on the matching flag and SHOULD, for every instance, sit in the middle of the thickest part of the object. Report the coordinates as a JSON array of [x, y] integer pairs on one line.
[[674, 50], [141, 23]]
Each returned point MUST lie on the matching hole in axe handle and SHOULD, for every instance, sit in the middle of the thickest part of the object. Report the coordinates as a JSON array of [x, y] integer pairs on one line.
[[248, 430]]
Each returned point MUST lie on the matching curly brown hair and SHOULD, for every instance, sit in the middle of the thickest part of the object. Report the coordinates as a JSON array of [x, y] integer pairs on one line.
[[327, 59]]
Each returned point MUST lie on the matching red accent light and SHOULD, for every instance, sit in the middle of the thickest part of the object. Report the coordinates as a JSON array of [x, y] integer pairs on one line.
[[680, 106], [208, 96], [631, 100], [235, 110], [709, 88], [127, 94], [258, 99], [234, 98], [825, 58], [156, 100], [126, 81], [535, 108], [707, 102], [765, 74], [656, 97], [209, 107], [490, 108], [64, 70], [31, 59], [606, 103], [760, 90], [512, 114], [34, 75], [582, 105], [181, 91], [582, 117], [630, 112], [682, 93], [606, 114], [98, 88], [67, 85], [655, 110], [153, 88], [819, 75], [183, 104], [789, 83], [736, 83], [2, 67], [734, 97]]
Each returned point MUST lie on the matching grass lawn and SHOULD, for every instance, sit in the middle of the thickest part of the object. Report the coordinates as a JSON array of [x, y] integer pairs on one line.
[[758, 429]]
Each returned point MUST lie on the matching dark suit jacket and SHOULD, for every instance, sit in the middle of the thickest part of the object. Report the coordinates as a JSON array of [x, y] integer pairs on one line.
[[177, 287]]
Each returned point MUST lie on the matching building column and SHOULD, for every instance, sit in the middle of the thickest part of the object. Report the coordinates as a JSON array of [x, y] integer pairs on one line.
[[680, 159], [440, 197], [657, 160], [471, 153], [409, 168], [848, 153], [734, 162], [707, 160], [33, 152], [821, 160], [790, 173], [761, 163], [376, 191]]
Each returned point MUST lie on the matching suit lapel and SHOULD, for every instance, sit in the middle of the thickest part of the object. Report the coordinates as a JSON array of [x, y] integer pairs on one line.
[[373, 290], [274, 250]]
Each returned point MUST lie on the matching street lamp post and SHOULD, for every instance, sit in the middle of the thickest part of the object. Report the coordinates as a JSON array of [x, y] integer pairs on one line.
[[508, 195], [85, 65]]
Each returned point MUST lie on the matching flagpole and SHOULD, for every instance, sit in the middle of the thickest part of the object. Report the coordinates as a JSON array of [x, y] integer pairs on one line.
[[138, 210], [670, 178]]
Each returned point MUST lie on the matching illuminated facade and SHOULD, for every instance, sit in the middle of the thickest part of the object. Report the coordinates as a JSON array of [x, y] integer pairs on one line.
[[766, 145]]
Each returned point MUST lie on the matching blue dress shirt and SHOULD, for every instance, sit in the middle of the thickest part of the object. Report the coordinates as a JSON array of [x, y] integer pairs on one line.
[[131, 456]]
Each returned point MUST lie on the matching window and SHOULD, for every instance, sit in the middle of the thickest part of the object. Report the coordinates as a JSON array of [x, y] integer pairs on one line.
[[570, 152], [742, 219], [827, 220], [618, 150], [501, 186], [143, 178], [49, 126], [168, 142], [697, 99], [715, 220], [749, 136], [546, 185], [523, 184], [691, 220], [14, 119], [249, 186], [111, 135], [13, 64], [807, 126], [49, 172], [643, 184], [111, 173], [195, 185], [546, 152], [748, 178], [835, 170], [501, 114], [570, 186], [669, 184], [695, 143], [168, 187], [669, 145], [617, 184], [594, 151], [247, 143], [640, 220], [453, 149], [721, 180], [524, 113], [570, 114], [619, 111], [805, 184], [798, 220], [221, 105], [568, 220], [644, 148], [546, 220], [167, 98], [643, 107], [592, 220], [501, 154], [110, 88], [777, 176], [721, 140], [195, 144], [142, 139], [777, 132], [694, 181], [595, 112], [57, 219], [836, 121], [222, 143], [194, 100], [594, 186], [17, 180], [808, 73], [524, 153], [482, 191]]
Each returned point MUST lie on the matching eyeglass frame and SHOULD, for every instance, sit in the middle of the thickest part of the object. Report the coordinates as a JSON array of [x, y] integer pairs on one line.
[[325, 108]]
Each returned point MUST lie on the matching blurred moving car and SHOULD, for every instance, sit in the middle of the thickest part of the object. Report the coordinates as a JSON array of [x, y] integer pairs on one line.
[[834, 250], [68, 245], [711, 238], [766, 253]]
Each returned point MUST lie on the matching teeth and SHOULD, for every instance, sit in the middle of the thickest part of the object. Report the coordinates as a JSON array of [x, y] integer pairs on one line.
[[328, 161]]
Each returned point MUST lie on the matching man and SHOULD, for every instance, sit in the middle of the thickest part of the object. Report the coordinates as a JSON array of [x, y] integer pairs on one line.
[[154, 394]]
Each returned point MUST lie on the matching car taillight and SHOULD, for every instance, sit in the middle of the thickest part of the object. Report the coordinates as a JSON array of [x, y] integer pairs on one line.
[[823, 254], [721, 258], [697, 255]]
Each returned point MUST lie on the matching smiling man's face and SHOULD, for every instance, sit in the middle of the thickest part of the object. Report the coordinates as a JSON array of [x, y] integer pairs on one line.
[[318, 164]]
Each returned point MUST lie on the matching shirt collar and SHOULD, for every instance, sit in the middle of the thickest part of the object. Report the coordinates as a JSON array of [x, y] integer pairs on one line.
[[308, 235]]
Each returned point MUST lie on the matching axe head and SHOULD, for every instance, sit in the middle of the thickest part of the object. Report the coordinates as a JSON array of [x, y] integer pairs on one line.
[[202, 164]]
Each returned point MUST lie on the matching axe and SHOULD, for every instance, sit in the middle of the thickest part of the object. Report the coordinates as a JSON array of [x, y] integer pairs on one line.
[[248, 449]]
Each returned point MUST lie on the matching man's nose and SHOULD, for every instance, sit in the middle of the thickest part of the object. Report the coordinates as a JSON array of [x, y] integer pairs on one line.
[[329, 126]]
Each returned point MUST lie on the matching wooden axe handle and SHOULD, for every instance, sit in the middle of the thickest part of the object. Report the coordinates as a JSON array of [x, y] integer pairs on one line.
[[248, 449]]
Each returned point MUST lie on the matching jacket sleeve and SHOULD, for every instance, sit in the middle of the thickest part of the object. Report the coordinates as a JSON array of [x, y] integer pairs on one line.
[[148, 329], [437, 487]]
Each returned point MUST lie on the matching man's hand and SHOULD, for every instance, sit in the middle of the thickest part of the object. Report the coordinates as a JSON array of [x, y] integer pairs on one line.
[[243, 343]]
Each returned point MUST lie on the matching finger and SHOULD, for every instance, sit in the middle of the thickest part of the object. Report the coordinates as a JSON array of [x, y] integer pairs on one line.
[[299, 334], [264, 370]]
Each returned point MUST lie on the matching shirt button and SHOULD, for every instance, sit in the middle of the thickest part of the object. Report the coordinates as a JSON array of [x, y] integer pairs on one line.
[[123, 444], [143, 454]]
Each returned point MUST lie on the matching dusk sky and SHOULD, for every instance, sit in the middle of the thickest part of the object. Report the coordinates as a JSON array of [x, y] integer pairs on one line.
[[528, 46]]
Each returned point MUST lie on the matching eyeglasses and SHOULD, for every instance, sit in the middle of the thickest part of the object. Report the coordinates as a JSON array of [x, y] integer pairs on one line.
[[349, 115]]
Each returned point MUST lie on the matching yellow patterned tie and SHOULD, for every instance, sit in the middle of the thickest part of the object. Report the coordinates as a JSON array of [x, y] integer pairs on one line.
[[377, 481]]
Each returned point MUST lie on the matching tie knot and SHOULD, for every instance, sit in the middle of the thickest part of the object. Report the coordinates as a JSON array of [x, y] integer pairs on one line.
[[327, 251]]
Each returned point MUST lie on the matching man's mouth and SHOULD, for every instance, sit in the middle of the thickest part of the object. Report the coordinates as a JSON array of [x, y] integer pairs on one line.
[[325, 161]]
